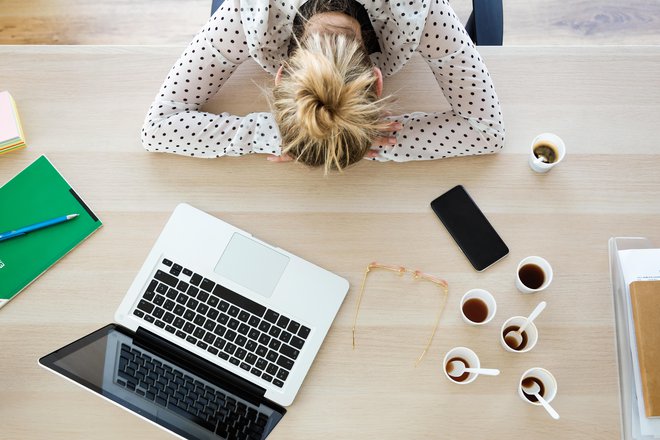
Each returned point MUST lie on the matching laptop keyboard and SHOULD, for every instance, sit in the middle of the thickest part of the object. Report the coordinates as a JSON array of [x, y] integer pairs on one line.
[[232, 327], [188, 397]]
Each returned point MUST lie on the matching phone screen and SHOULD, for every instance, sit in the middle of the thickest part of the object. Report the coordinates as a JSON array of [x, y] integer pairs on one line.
[[469, 227]]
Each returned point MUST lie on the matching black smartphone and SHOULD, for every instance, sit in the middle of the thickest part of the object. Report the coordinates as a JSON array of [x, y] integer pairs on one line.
[[470, 228]]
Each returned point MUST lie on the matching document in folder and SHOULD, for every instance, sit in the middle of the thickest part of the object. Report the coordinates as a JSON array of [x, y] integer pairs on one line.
[[645, 298]]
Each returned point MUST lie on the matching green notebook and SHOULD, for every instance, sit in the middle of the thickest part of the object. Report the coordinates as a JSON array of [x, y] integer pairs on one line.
[[36, 194]]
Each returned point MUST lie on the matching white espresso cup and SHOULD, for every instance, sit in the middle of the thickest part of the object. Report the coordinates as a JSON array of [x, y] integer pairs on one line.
[[529, 282], [468, 357], [478, 299], [555, 148], [548, 385], [530, 334]]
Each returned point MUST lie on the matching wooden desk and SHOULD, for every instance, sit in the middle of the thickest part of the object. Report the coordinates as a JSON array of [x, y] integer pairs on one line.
[[84, 106]]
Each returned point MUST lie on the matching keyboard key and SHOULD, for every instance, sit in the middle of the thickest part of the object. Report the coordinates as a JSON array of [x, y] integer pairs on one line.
[[289, 351], [274, 331], [220, 330], [162, 288], [170, 329], [245, 366], [202, 308], [219, 343], [303, 332], [213, 314], [264, 326], [272, 369], [199, 320], [189, 327], [168, 318], [234, 361], [233, 311], [262, 351], [230, 348], [223, 319], [192, 303], [254, 321], [166, 278], [285, 362], [169, 305], [271, 316], [213, 301], [293, 327], [232, 324], [145, 306], [267, 377], [149, 295], [213, 350], [159, 300], [158, 312], [275, 344], [167, 262], [285, 337], [175, 270], [209, 325], [278, 383], [189, 315], [240, 340], [182, 298], [202, 345], [191, 339], [243, 316], [243, 329], [251, 359], [251, 346], [261, 364], [297, 342], [195, 279], [160, 323], [283, 322], [238, 300], [187, 272], [272, 356], [138, 313], [178, 323], [207, 285], [282, 374], [199, 332], [240, 353], [264, 339], [230, 335], [149, 318], [179, 310], [254, 334], [209, 338]]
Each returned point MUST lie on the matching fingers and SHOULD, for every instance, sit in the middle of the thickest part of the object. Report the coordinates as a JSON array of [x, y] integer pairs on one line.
[[282, 158]]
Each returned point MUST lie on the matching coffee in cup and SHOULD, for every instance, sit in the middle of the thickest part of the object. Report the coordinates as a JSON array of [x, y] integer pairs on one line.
[[547, 151], [521, 342], [534, 274], [478, 307], [537, 378]]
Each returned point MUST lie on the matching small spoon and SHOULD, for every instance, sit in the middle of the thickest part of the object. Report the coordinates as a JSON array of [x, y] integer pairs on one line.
[[533, 390], [457, 368], [514, 338]]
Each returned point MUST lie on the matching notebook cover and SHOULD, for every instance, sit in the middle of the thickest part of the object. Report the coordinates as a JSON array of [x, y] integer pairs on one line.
[[38, 193], [645, 299]]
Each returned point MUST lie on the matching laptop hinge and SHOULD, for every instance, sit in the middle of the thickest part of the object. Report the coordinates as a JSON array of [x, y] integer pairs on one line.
[[200, 366]]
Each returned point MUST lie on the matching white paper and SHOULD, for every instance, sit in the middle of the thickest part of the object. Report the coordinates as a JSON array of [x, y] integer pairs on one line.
[[639, 265]]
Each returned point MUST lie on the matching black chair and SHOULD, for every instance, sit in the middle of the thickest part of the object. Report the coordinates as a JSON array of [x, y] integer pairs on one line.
[[485, 25]]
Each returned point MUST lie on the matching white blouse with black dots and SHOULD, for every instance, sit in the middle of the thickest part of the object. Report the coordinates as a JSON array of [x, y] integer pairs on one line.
[[255, 28]]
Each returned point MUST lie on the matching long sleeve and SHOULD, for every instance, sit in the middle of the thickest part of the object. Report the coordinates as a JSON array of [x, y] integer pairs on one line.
[[175, 124], [474, 124]]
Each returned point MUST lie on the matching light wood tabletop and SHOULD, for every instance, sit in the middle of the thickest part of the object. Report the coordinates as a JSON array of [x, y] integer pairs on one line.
[[84, 106]]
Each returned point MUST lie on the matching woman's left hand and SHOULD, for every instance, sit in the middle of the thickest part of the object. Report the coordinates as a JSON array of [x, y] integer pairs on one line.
[[282, 158], [384, 140]]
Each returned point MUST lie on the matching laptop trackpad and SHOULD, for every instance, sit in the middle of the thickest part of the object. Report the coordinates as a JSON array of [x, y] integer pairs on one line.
[[252, 265]]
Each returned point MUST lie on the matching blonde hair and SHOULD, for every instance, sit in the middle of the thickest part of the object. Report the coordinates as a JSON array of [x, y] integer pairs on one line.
[[326, 103]]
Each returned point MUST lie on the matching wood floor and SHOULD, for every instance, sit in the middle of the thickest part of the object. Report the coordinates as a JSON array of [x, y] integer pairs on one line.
[[527, 22]]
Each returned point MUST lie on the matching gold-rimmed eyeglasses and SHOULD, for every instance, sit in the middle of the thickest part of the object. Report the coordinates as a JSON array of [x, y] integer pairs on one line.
[[418, 275]]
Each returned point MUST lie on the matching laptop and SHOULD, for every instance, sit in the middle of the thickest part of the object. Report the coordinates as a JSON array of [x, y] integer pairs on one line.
[[214, 336]]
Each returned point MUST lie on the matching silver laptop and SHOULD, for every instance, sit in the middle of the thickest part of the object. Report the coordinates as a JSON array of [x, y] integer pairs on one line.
[[215, 335]]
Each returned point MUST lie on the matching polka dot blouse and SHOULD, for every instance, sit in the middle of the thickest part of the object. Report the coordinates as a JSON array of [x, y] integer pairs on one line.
[[260, 29]]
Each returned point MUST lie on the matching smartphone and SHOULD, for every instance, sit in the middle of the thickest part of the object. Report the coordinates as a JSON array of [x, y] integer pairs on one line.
[[470, 228]]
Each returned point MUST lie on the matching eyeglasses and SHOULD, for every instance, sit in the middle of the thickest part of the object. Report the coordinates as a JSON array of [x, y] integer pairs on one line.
[[417, 275]]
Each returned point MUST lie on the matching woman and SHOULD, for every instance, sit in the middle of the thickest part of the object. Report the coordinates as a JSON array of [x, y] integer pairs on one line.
[[329, 58]]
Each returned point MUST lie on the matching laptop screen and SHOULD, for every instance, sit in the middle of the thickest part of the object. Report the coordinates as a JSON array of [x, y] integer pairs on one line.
[[184, 400]]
